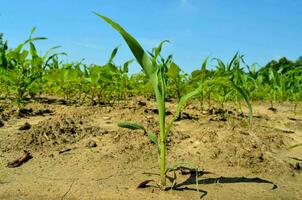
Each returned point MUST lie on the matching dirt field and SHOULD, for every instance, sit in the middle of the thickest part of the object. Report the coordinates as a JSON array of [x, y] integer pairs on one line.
[[81, 153]]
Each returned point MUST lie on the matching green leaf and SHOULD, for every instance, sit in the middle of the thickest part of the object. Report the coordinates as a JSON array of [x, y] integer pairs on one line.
[[139, 53], [204, 69], [33, 50], [173, 71], [157, 51], [132, 126], [126, 66], [34, 39], [153, 137], [50, 51], [221, 66], [18, 48], [33, 30], [113, 54], [244, 95], [236, 56]]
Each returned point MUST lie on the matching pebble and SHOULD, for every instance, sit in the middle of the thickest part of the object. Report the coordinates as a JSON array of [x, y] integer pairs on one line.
[[90, 144]]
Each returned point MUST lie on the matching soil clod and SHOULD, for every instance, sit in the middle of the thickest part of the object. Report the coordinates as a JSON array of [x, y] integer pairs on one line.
[[25, 127], [155, 111], [272, 109], [24, 112], [90, 144], [142, 103]]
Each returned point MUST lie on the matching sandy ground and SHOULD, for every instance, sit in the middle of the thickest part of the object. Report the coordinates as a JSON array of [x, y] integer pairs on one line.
[[79, 152]]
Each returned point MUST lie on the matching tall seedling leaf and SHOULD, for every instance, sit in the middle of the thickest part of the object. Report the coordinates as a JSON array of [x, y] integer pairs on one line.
[[155, 76]]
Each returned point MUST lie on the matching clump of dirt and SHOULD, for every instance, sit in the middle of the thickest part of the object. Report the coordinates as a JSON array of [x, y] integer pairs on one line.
[[1, 113], [25, 127], [294, 124], [141, 103], [6, 114], [221, 114], [25, 112], [297, 167], [90, 144], [155, 111], [272, 109], [133, 141], [188, 116], [56, 130], [219, 111], [176, 137], [250, 150]]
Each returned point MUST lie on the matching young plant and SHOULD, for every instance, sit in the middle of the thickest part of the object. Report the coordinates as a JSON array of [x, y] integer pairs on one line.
[[235, 73], [156, 71], [155, 74], [108, 79], [23, 69], [176, 80]]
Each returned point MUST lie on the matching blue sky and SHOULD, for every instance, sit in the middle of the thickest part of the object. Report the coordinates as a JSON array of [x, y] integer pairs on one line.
[[261, 29]]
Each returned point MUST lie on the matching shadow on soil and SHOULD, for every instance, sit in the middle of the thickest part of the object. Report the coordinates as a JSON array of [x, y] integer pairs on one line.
[[193, 180], [222, 180]]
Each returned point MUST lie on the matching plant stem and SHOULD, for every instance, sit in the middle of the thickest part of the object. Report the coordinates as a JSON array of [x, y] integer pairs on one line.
[[160, 98], [161, 109]]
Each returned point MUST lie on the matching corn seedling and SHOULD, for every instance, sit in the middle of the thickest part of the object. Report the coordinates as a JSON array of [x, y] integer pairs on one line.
[[23, 69], [156, 71]]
